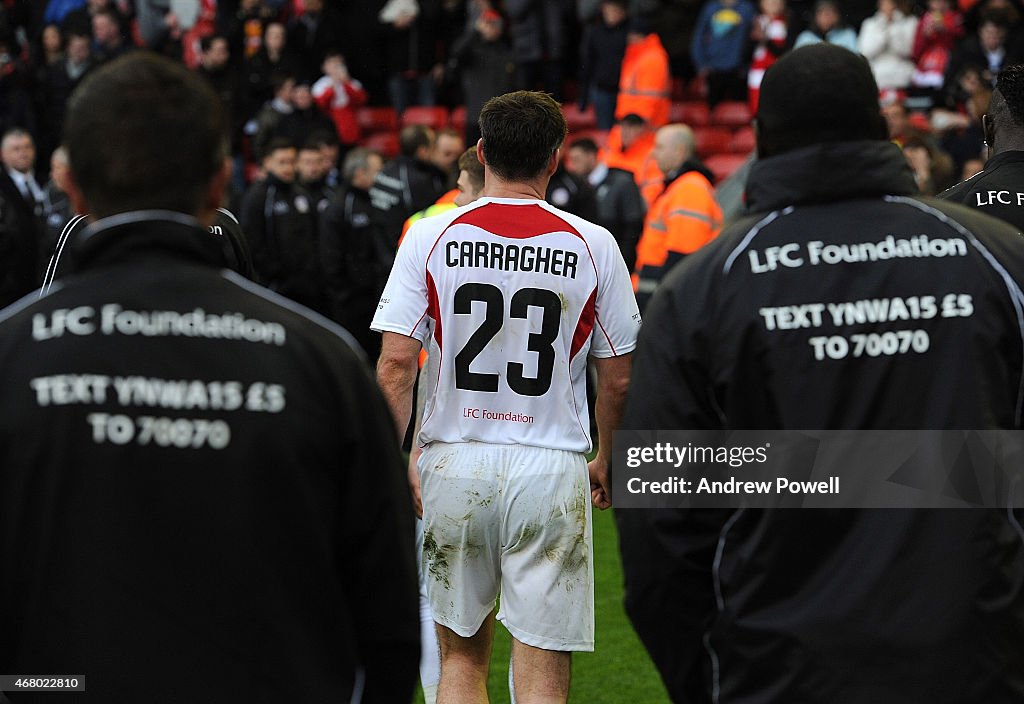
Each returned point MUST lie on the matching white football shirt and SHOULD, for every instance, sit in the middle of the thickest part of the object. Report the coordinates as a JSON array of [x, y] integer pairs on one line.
[[509, 296]]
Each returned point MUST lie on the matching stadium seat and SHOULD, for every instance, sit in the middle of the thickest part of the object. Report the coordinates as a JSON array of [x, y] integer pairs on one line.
[[384, 142], [434, 117], [678, 89], [579, 120], [696, 89], [692, 113], [743, 141], [377, 119], [712, 140], [731, 114], [722, 165], [458, 118]]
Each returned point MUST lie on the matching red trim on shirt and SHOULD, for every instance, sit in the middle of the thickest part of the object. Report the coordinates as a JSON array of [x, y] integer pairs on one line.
[[585, 325], [515, 221]]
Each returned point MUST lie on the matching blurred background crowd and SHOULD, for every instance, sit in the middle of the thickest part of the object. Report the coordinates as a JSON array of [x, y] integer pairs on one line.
[[364, 107]]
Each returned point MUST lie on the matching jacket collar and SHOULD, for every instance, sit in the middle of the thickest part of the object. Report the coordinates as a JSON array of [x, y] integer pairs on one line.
[[1007, 157], [130, 235], [829, 172]]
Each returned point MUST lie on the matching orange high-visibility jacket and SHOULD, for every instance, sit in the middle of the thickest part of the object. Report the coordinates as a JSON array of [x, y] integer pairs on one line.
[[683, 219], [638, 160], [645, 85]]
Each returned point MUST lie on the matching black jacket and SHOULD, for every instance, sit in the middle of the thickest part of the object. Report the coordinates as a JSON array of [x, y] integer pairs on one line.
[[22, 241], [279, 219], [621, 209], [356, 262], [219, 511], [838, 606], [998, 190], [404, 186]]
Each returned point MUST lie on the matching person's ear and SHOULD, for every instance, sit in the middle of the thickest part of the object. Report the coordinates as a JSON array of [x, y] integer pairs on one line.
[[480, 151], [75, 196], [553, 163], [988, 127]]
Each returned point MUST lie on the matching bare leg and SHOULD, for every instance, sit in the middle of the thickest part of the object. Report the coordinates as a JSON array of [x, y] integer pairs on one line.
[[464, 664], [541, 676]]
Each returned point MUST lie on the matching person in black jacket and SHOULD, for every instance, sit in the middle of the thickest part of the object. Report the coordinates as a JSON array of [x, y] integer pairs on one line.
[[354, 258], [999, 189], [22, 224], [407, 184], [604, 45], [620, 207], [219, 508], [279, 218], [851, 605]]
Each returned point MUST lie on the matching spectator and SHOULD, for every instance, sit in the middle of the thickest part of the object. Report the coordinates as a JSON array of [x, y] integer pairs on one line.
[[409, 30], [22, 232], [684, 218], [620, 207], [338, 95], [216, 68], [305, 117], [246, 28], [645, 86], [81, 19], [108, 40], [938, 31], [278, 217], [887, 40], [274, 56], [800, 605], [827, 27], [933, 171], [990, 49], [537, 30], [571, 193], [15, 86], [178, 561], [330, 150], [484, 61], [319, 28], [718, 48], [407, 184], [996, 189], [56, 83], [959, 129], [57, 209], [353, 255], [51, 47], [771, 38], [267, 122], [311, 173], [630, 146], [158, 27], [604, 47]]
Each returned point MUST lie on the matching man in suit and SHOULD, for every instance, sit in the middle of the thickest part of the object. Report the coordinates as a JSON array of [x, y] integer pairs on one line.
[[22, 226]]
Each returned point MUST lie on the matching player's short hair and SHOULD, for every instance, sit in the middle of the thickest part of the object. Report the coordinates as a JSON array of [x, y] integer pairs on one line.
[[1010, 85], [357, 158], [584, 144], [472, 166], [144, 132], [521, 131], [413, 137]]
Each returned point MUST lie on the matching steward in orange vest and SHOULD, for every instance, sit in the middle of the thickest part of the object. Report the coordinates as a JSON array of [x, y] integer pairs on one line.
[[645, 85]]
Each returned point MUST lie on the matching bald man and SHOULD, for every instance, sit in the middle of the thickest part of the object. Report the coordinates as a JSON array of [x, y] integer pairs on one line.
[[683, 218]]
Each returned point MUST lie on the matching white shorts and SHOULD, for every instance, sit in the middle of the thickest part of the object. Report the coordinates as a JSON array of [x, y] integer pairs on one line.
[[514, 519]]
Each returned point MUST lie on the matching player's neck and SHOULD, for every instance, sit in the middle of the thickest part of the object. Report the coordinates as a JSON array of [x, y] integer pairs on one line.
[[495, 187]]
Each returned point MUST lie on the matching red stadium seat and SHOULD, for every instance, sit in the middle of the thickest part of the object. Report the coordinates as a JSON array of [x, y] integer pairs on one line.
[[377, 119], [384, 142], [743, 141], [697, 89], [692, 113], [577, 120], [712, 140], [435, 117], [731, 114], [722, 165], [458, 118]]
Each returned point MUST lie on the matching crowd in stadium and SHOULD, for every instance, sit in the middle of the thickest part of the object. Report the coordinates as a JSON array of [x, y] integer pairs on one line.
[[303, 82]]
